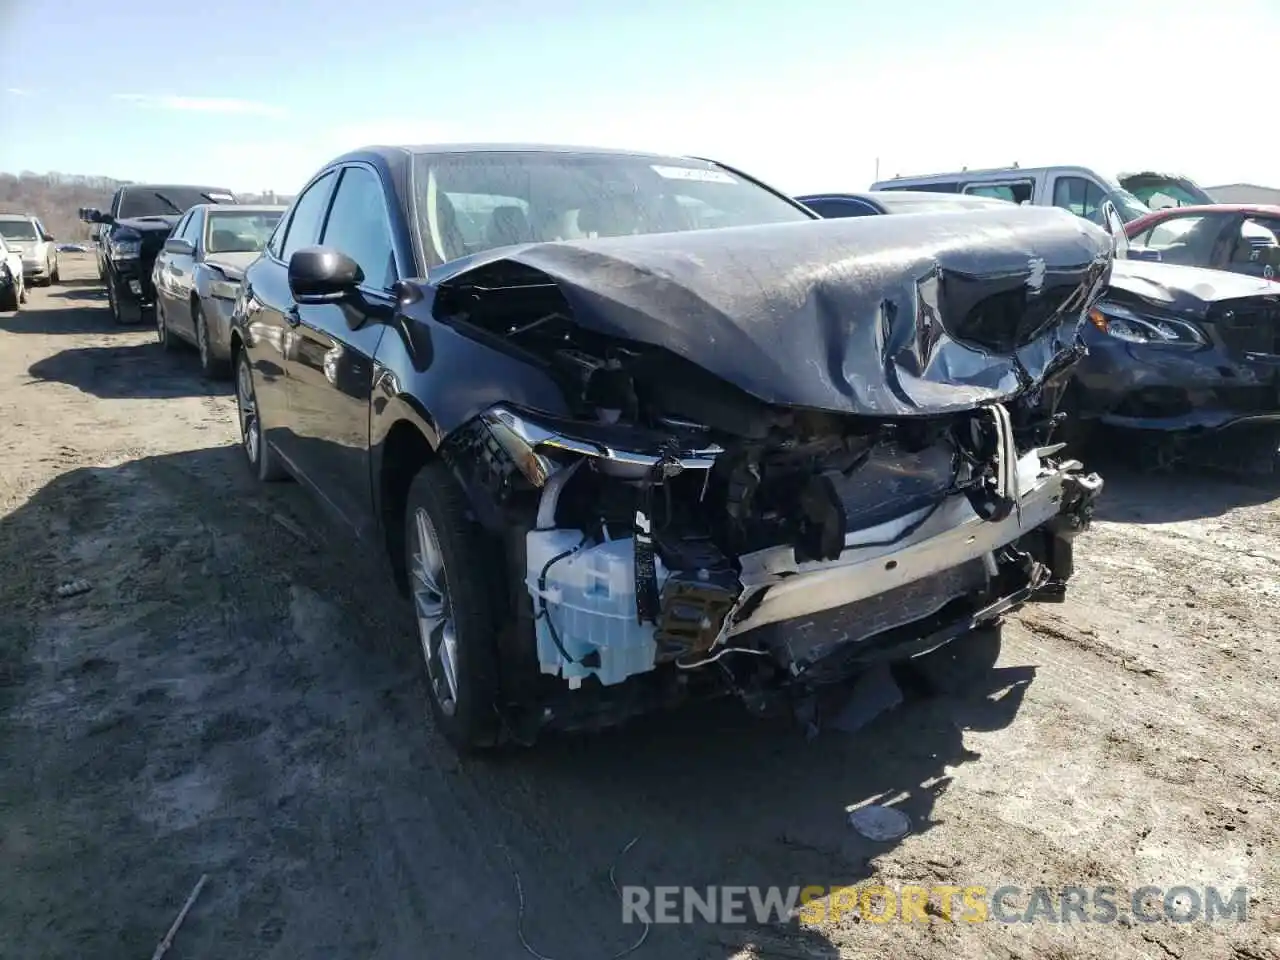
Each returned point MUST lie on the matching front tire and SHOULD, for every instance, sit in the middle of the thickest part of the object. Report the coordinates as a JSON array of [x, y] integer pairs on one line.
[[113, 303], [10, 299], [457, 606], [263, 462], [163, 336]]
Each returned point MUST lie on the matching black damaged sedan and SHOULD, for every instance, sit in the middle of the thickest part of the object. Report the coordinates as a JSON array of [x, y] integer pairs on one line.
[[634, 428]]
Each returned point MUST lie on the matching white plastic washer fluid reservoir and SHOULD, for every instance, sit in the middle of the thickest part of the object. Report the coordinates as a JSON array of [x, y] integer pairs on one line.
[[588, 604]]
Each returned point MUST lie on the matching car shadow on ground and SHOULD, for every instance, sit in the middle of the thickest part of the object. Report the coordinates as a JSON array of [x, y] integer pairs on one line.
[[262, 686], [136, 370], [1134, 495], [86, 319]]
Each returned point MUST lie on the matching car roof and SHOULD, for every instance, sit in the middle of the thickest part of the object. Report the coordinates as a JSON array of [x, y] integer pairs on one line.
[[242, 207], [18, 216], [1155, 216]]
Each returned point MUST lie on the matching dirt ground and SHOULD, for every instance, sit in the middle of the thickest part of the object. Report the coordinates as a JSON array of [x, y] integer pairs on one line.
[[235, 697]]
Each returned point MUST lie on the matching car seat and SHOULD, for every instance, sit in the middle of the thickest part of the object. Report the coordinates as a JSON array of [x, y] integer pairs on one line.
[[507, 225]]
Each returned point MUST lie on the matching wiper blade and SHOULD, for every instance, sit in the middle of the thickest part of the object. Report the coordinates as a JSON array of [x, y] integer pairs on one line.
[[214, 200], [176, 208]]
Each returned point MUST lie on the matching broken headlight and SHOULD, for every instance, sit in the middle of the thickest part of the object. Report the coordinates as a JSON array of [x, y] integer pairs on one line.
[[1127, 325]]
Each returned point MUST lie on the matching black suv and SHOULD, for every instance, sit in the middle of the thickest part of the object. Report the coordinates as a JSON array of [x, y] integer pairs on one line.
[[133, 231]]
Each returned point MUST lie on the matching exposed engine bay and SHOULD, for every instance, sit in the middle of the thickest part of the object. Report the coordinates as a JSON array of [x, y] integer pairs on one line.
[[672, 522]]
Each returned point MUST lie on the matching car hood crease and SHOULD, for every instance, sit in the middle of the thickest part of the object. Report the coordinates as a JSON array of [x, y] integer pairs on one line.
[[883, 316]]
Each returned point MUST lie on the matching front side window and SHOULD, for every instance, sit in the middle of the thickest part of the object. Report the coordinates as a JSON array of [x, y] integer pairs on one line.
[[357, 226], [308, 212], [18, 230], [470, 202], [191, 232], [233, 231], [1074, 194], [1187, 240]]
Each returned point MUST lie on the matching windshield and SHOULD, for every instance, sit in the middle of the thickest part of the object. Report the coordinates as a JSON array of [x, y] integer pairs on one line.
[[240, 232], [18, 230], [1159, 193], [143, 202], [470, 202]]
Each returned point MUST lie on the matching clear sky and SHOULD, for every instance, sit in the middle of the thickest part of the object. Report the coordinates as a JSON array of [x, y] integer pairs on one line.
[[806, 94]]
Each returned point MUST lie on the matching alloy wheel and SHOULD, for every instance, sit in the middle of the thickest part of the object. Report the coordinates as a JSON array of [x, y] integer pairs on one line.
[[437, 630], [247, 410]]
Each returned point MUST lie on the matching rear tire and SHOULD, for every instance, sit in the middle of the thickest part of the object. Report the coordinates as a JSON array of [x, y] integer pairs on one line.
[[210, 366], [451, 576], [263, 462]]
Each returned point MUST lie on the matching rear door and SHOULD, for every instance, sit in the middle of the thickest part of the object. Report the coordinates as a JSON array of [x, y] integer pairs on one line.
[[331, 371], [272, 318]]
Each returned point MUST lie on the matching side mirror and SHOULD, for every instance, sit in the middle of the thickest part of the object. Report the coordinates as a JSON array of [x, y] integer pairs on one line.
[[47, 237], [1114, 225], [323, 275], [179, 247]]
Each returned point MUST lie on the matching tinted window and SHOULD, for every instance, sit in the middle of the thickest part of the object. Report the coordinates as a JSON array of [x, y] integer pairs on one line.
[[533, 196], [242, 231], [832, 208], [358, 226], [1019, 192], [948, 186], [1082, 197], [181, 229], [308, 212]]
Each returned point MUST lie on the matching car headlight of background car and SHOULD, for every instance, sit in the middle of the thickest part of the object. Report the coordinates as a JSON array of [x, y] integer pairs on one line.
[[1126, 324], [224, 289], [125, 246]]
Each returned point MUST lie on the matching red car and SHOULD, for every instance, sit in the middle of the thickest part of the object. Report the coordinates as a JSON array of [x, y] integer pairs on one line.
[[1239, 237]]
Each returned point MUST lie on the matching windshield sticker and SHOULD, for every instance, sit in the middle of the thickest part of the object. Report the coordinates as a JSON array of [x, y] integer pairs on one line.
[[693, 173]]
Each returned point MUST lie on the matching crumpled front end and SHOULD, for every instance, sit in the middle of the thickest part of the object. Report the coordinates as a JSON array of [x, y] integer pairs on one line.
[[759, 522]]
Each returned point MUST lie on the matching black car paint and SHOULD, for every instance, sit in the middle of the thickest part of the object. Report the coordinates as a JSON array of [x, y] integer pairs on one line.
[[339, 383], [150, 231], [1233, 380]]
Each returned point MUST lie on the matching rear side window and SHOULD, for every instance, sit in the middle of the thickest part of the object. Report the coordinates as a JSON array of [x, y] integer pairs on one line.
[[949, 186], [1019, 191], [308, 213]]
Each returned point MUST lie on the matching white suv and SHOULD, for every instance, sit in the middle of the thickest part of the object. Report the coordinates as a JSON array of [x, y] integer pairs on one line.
[[13, 290], [27, 235]]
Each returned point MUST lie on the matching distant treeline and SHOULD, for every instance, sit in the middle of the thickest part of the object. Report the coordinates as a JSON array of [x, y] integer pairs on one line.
[[57, 197]]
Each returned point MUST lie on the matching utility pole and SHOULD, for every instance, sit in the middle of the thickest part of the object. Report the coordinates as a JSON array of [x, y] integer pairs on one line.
[[877, 179]]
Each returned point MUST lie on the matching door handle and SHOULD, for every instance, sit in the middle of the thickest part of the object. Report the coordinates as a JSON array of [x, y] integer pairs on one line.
[[292, 317]]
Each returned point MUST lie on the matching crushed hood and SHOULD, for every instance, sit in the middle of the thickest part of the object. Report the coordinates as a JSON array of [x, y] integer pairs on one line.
[[1189, 290], [880, 316], [232, 264]]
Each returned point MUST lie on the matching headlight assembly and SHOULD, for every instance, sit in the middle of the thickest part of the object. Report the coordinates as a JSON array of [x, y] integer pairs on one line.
[[224, 289], [124, 249], [1132, 327]]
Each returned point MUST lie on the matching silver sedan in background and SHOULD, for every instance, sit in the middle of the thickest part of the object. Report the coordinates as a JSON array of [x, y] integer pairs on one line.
[[197, 276]]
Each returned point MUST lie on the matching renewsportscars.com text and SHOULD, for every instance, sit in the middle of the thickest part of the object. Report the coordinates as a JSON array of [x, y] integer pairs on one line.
[[874, 903]]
